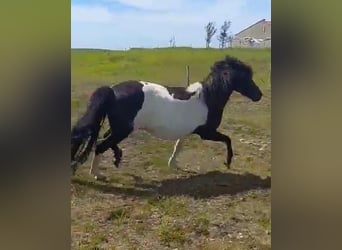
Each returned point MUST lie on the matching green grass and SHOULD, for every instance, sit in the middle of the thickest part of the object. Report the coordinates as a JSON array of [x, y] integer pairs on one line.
[[118, 215], [201, 225], [171, 233], [146, 205], [160, 65]]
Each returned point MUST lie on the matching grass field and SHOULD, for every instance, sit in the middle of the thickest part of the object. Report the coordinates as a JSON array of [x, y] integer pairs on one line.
[[146, 205]]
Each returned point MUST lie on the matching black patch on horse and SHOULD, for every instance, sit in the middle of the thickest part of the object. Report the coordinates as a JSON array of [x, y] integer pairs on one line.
[[129, 100], [179, 93]]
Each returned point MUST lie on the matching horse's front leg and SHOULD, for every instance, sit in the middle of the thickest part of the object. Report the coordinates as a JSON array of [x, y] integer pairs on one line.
[[176, 150], [214, 135]]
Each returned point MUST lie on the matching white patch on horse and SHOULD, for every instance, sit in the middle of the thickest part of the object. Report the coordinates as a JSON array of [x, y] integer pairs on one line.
[[195, 87], [169, 118], [94, 169]]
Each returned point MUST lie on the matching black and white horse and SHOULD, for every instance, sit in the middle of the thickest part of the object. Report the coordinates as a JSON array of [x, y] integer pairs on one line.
[[170, 113]]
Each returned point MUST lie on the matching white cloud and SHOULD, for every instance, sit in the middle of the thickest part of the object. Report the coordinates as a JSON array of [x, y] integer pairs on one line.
[[175, 11], [90, 14], [152, 4]]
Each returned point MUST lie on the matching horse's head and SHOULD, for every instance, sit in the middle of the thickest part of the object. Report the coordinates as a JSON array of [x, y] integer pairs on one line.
[[236, 75]]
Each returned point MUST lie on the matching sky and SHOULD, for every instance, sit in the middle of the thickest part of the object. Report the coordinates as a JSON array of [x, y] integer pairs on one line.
[[122, 24]]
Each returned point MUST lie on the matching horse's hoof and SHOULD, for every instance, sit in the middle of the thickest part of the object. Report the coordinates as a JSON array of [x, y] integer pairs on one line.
[[120, 153], [172, 164], [101, 178], [227, 165], [117, 158], [117, 163]]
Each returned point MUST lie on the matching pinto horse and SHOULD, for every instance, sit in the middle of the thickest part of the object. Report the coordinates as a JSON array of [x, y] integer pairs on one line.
[[170, 113]]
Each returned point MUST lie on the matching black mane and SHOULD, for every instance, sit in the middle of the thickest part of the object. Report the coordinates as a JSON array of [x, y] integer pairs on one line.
[[216, 94], [234, 63]]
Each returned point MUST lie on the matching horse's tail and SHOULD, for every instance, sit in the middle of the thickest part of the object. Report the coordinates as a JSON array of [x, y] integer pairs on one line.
[[86, 130]]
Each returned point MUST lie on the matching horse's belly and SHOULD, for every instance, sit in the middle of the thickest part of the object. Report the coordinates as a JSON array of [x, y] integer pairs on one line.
[[166, 131], [166, 126]]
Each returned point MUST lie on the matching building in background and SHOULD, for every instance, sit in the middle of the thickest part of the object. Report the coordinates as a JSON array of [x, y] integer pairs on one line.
[[258, 35]]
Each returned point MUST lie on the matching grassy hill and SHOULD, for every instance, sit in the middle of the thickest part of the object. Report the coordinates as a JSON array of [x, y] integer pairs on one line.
[[148, 206]]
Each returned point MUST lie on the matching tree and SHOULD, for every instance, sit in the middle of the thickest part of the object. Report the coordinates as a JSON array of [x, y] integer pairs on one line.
[[230, 40], [210, 32], [172, 41], [224, 37]]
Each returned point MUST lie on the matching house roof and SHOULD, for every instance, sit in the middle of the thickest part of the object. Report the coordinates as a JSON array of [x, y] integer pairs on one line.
[[260, 21]]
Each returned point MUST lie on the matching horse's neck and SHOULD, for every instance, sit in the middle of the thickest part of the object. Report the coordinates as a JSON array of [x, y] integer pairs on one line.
[[215, 98], [216, 101]]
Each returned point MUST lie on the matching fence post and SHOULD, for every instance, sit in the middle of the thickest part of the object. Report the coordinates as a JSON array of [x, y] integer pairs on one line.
[[187, 75]]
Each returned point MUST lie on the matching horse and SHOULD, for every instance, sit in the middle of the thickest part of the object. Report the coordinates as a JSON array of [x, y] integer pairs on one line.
[[169, 113]]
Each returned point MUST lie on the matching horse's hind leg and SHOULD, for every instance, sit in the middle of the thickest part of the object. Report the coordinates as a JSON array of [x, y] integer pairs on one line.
[[176, 150], [116, 150], [121, 132], [119, 135], [117, 155], [99, 150]]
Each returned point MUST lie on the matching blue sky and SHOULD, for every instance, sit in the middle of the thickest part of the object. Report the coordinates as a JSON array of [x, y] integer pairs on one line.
[[121, 24]]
